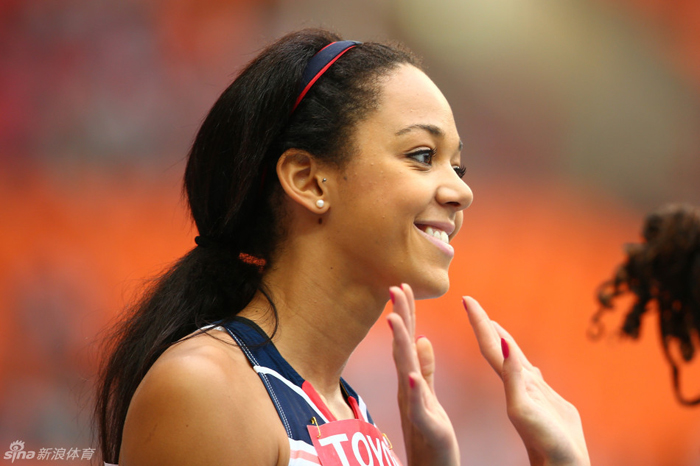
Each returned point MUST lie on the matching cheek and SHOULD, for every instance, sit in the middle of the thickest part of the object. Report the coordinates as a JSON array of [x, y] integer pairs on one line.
[[375, 219], [369, 193], [382, 196]]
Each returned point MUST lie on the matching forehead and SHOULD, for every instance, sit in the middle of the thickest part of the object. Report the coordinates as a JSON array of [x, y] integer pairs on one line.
[[408, 97]]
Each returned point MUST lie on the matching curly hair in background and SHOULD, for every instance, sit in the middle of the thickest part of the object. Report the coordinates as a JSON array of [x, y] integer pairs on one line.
[[662, 273]]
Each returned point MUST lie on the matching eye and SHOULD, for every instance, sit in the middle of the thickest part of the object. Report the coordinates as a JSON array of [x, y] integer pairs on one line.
[[460, 170], [424, 156]]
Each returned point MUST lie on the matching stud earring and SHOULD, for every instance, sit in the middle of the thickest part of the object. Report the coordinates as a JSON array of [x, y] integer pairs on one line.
[[320, 203], [323, 180]]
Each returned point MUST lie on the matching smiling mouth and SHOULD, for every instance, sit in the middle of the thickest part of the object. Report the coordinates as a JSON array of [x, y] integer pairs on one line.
[[435, 233]]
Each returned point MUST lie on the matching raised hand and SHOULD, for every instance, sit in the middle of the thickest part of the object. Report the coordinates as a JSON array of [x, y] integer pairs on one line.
[[428, 433], [549, 426]]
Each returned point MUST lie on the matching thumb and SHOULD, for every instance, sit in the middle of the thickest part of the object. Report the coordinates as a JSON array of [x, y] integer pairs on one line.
[[426, 358], [512, 375]]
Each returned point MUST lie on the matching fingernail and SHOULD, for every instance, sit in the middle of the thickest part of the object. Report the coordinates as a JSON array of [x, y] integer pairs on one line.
[[504, 348], [391, 294], [411, 382], [464, 303], [419, 337], [388, 321]]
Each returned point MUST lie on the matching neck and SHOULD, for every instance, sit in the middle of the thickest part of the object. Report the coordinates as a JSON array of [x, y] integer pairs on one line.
[[322, 316]]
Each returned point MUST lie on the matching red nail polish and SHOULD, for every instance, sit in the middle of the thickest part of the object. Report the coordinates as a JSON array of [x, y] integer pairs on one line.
[[391, 294], [419, 337], [464, 303], [504, 348], [391, 326], [411, 382]]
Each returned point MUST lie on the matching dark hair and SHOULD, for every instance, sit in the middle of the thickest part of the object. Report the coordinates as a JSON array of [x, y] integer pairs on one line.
[[233, 194], [663, 271]]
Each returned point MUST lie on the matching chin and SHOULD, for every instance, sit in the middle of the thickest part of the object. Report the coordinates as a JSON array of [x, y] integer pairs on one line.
[[428, 289]]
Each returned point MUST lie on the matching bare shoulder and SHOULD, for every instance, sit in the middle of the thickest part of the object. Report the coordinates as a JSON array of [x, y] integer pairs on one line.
[[202, 403]]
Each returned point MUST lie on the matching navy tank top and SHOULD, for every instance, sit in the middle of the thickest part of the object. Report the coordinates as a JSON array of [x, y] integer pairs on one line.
[[304, 414], [298, 404]]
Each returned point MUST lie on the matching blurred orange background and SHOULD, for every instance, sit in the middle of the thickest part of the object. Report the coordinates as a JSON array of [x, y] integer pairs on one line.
[[578, 118]]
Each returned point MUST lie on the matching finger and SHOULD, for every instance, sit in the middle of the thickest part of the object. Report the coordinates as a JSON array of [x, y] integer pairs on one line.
[[405, 287], [402, 307], [426, 359], [512, 375], [514, 347], [404, 353], [485, 332], [415, 392]]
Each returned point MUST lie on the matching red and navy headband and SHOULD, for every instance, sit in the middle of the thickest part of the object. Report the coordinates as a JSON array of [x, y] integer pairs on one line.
[[319, 63]]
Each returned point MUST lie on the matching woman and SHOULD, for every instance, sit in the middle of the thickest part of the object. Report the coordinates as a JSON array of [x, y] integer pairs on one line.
[[328, 172]]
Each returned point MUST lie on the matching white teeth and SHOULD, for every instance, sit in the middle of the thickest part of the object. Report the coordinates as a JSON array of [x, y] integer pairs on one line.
[[439, 234]]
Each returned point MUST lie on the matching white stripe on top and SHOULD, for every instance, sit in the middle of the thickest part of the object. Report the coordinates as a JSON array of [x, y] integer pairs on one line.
[[298, 390]]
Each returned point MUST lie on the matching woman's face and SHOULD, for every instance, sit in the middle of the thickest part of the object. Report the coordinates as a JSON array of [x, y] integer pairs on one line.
[[400, 198]]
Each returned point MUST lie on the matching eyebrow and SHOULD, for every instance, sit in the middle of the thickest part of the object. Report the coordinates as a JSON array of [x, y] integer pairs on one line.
[[432, 129]]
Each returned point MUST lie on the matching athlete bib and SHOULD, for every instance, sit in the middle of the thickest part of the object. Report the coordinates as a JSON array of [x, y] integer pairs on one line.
[[351, 442]]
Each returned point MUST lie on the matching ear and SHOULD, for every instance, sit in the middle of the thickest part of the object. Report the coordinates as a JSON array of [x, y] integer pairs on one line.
[[301, 177]]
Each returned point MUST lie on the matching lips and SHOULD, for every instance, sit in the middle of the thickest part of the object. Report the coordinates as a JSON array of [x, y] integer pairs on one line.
[[438, 234]]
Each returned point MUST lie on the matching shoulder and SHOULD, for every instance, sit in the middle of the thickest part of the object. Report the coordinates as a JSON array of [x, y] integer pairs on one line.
[[201, 403]]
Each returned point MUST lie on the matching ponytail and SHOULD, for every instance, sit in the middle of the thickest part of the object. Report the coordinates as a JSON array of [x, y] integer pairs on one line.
[[188, 296]]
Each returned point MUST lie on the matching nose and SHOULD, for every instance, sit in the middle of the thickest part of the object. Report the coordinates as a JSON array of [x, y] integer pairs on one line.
[[454, 192]]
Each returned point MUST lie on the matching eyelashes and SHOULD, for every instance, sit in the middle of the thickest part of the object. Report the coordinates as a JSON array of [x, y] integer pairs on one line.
[[461, 170], [425, 157], [427, 154]]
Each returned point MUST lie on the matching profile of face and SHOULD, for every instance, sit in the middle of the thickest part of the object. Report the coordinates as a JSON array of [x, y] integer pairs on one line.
[[399, 199]]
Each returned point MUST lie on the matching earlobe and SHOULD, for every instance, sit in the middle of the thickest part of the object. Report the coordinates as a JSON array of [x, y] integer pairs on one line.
[[301, 177]]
